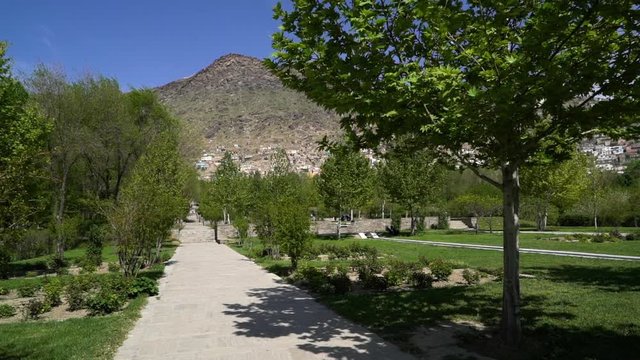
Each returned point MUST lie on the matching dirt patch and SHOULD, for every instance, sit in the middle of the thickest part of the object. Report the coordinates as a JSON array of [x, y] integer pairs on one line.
[[57, 313], [102, 269], [442, 341]]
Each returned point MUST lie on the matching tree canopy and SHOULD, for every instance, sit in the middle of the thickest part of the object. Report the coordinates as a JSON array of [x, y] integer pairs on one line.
[[494, 84]]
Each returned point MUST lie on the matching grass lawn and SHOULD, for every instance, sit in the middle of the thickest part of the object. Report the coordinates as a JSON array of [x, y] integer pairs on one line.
[[573, 309], [496, 224], [535, 241], [85, 338]]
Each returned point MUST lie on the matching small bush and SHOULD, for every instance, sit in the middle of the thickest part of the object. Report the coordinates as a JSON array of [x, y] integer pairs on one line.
[[376, 282], [398, 272], [443, 221], [7, 310], [601, 238], [52, 292], [31, 274], [4, 291], [93, 254], [472, 277], [142, 286], [113, 267], [57, 265], [340, 281], [632, 236], [88, 266], [423, 261], [421, 280], [367, 268], [34, 308], [77, 289], [28, 290], [616, 234], [105, 301], [440, 269], [496, 272], [314, 278]]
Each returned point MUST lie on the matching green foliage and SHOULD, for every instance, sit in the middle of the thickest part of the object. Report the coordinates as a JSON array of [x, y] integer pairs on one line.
[[104, 302], [6, 311], [77, 290], [440, 269], [340, 281], [34, 308], [28, 290], [5, 260], [472, 277], [411, 178], [421, 280], [345, 181], [291, 220], [31, 274], [314, 278], [149, 205], [443, 221], [142, 286], [399, 272], [52, 292], [57, 265], [23, 156], [94, 245], [113, 267], [4, 291]]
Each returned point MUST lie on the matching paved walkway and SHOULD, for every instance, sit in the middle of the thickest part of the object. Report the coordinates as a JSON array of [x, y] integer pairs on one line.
[[217, 304]]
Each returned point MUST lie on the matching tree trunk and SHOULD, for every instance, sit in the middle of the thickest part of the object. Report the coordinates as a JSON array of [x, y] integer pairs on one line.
[[491, 224], [59, 215], [351, 216], [338, 228], [511, 327], [215, 231], [413, 223], [383, 201]]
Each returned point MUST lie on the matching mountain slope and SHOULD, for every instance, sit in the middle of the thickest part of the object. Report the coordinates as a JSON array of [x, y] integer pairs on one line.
[[238, 104]]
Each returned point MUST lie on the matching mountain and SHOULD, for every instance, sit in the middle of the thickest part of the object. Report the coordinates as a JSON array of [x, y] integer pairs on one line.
[[238, 105]]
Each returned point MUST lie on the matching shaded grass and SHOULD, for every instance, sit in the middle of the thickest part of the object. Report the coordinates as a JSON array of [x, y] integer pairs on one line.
[[573, 309]]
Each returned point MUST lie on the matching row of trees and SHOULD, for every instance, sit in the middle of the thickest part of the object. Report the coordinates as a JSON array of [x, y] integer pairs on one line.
[[81, 154]]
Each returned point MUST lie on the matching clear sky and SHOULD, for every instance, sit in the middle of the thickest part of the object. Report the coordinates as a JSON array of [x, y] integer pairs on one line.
[[141, 43]]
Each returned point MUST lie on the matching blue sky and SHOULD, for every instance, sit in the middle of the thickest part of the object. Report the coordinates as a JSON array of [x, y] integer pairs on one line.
[[141, 43]]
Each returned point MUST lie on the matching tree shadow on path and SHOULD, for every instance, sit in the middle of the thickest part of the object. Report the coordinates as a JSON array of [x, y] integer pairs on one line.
[[285, 311]]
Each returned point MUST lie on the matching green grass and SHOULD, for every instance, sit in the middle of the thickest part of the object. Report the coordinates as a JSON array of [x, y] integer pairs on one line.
[[84, 338], [536, 241], [573, 309], [496, 224]]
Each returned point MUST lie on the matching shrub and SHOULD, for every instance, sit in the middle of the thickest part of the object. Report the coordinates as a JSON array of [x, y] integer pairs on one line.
[[440, 269], [421, 280], [472, 277], [57, 265], [116, 283], [423, 261], [340, 281], [88, 265], [367, 268], [398, 272], [105, 302], [113, 267], [52, 292], [31, 274], [142, 286], [616, 234], [7, 310], [313, 277], [28, 290], [443, 221], [77, 289], [5, 260], [632, 236], [600, 238], [34, 308], [497, 272], [93, 254], [376, 282], [4, 291]]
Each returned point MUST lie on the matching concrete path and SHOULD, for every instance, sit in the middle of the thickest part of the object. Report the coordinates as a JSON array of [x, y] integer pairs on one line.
[[522, 250], [217, 304]]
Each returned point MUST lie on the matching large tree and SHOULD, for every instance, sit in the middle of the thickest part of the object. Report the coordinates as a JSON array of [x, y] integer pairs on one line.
[[345, 182], [560, 184], [493, 84], [23, 155], [412, 179]]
